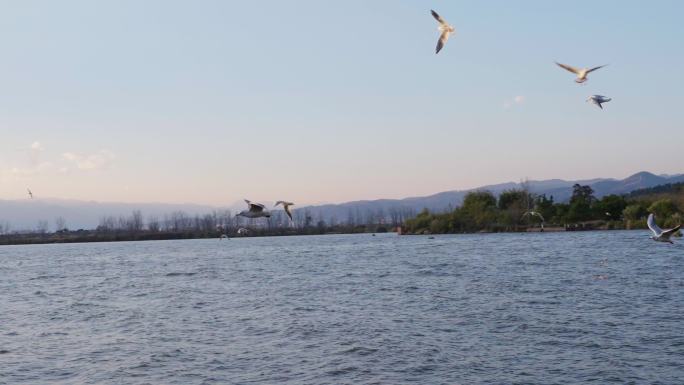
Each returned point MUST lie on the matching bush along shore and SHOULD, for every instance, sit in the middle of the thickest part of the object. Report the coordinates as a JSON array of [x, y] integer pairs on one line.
[[481, 211]]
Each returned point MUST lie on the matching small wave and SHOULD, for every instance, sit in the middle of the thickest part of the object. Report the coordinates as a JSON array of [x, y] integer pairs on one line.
[[45, 276], [360, 351], [342, 371], [179, 274]]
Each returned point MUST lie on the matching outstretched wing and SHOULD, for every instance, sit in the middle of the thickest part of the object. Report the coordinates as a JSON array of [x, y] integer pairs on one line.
[[569, 68], [437, 17], [653, 226], [255, 207], [668, 233], [288, 212], [442, 40], [595, 68]]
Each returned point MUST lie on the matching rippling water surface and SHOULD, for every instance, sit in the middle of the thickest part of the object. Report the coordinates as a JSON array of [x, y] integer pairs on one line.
[[602, 307]]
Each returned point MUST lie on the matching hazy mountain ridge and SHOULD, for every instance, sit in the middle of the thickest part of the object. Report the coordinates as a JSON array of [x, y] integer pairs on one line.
[[560, 189], [25, 214]]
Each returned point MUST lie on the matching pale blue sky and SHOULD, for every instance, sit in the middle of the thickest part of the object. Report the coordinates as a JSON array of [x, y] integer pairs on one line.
[[321, 101]]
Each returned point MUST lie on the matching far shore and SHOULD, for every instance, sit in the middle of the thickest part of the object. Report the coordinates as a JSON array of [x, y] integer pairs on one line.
[[92, 236]]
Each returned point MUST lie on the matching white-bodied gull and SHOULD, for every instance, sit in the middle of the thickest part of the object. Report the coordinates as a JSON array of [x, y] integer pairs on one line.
[[445, 29], [580, 72], [535, 214], [255, 210], [659, 234]]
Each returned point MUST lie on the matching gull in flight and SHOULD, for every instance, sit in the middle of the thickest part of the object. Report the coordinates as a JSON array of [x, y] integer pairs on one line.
[[598, 100], [255, 210], [535, 214], [659, 234], [286, 206], [580, 72], [444, 29], [29, 193]]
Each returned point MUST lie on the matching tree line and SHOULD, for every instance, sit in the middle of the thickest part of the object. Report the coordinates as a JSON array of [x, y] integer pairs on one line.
[[483, 211]]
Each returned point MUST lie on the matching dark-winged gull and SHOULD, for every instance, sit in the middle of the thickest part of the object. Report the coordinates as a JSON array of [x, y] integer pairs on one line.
[[286, 206], [598, 100], [445, 29]]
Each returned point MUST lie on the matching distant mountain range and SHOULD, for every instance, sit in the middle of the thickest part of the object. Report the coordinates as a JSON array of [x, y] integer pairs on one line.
[[561, 190], [25, 214]]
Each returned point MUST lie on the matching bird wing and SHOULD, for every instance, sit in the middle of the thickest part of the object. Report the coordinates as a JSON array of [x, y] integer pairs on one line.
[[279, 203], [670, 232], [255, 207], [287, 210], [569, 68], [539, 215], [599, 104], [442, 40], [437, 17], [595, 68], [653, 226]]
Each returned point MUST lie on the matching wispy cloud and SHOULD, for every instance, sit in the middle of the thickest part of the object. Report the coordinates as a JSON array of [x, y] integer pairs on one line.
[[96, 161], [516, 100]]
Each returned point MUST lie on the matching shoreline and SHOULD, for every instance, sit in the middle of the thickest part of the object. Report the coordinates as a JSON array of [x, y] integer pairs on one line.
[[85, 236]]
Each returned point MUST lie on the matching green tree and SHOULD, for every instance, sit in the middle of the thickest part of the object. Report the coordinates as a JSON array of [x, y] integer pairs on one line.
[[634, 212], [610, 207], [545, 207], [662, 208], [480, 208]]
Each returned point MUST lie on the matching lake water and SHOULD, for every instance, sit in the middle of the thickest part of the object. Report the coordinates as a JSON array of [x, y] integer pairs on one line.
[[554, 308]]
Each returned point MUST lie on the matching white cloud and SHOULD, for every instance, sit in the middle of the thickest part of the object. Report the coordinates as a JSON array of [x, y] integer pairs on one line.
[[36, 146], [97, 161], [516, 100]]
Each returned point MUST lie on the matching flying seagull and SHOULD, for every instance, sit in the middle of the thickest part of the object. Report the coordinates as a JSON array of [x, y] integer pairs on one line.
[[444, 29], [598, 100], [29, 193], [659, 234], [286, 206], [255, 210], [580, 72], [533, 213]]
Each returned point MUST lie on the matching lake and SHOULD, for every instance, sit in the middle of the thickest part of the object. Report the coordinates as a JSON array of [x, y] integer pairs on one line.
[[537, 308]]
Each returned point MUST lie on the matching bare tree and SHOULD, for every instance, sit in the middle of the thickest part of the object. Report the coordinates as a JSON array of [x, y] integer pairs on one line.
[[153, 224], [60, 223], [42, 227]]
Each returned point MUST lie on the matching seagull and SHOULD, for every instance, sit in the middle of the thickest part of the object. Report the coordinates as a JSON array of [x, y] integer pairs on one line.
[[659, 234], [29, 193], [242, 231], [255, 210], [598, 100], [286, 206], [534, 213], [580, 72], [445, 30]]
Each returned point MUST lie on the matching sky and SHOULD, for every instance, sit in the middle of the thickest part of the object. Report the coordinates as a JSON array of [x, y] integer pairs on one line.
[[329, 101]]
